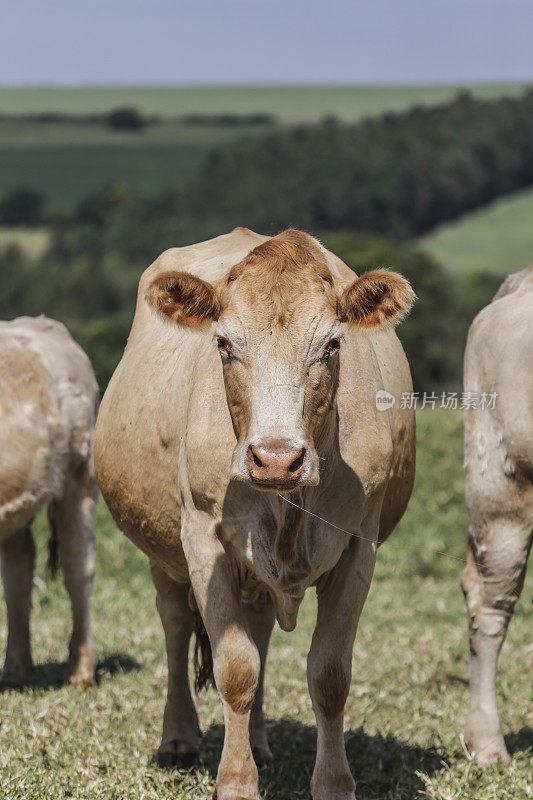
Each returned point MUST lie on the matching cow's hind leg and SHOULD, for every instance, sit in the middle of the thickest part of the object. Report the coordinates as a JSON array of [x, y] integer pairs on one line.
[[179, 743], [341, 597], [71, 518], [492, 581], [17, 556], [261, 616]]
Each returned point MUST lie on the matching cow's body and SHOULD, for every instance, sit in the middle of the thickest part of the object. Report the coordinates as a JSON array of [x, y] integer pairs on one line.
[[48, 397], [499, 486], [164, 446]]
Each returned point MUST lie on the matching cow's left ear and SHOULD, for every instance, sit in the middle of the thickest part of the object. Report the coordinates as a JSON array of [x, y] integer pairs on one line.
[[184, 298], [375, 300]]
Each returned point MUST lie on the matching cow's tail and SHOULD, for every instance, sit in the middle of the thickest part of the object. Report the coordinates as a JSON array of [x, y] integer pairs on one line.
[[53, 547], [203, 656]]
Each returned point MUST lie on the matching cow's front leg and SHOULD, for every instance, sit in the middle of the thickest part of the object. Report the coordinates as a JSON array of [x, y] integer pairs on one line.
[[236, 662], [329, 665]]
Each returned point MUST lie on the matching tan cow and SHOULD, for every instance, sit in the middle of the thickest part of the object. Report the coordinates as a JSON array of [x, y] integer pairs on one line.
[[499, 493], [238, 471], [48, 397]]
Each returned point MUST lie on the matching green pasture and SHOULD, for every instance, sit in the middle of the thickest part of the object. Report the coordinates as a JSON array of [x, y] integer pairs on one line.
[[67, 159], [409, 687], [67, 174], [498, 238], [288, 103]]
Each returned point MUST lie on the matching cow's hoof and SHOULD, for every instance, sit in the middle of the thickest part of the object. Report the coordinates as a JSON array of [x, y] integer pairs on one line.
[[7, 685], [12, 681], [178, 755], [81, 681], [225, 795], [490, 754], [343, 788], [262, 755], [488, 750]]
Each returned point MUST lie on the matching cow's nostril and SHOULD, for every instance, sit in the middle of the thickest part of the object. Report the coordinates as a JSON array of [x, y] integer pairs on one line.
[[257, 460], [297, 463]]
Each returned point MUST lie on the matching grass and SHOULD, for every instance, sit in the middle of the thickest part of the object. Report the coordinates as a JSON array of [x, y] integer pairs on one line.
[[498, 238], [406, 706], [66, 161], [288, 103], [67, 174]]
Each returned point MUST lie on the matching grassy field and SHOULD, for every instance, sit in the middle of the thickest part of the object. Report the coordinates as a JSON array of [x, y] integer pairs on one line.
[[289, 103], [407, 701], [67, 174], [496, 239], [66, 160]]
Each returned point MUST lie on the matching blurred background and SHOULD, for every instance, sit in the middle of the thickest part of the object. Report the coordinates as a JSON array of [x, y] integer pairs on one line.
[[399, 133]]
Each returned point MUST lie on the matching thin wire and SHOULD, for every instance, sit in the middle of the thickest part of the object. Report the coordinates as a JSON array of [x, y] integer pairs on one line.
[[374, 541], [364, 538]]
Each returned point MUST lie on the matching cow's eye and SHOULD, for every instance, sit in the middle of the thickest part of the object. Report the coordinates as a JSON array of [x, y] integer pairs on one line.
[[224, 347], [333, 346]]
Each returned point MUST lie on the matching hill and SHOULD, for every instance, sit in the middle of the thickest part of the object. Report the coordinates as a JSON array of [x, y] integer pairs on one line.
[[52, 140], [289, 103], [497, 239]]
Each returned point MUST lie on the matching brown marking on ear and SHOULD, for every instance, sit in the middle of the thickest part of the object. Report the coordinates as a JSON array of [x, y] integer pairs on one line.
[[375, 300], [238, 685], [332, 687], [184, 298]]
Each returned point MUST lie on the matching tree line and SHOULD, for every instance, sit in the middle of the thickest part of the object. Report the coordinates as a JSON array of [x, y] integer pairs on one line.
[[364, 189], [398, 174]]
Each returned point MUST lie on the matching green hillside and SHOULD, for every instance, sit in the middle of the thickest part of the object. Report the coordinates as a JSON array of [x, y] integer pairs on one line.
[[67, 159], [66, 174], [286, 102], [497, 239]]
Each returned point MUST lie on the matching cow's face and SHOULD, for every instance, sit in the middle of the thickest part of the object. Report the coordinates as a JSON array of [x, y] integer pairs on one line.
[[278, 320]]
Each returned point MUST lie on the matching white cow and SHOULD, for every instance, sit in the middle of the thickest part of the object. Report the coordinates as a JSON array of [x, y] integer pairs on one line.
[[499, 493], [48, 399], [246, 397]]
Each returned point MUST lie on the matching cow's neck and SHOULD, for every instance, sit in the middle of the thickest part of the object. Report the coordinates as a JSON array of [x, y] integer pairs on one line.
[[291, 545]]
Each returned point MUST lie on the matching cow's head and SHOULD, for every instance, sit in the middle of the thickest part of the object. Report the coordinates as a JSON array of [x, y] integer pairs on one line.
[[278, 319]]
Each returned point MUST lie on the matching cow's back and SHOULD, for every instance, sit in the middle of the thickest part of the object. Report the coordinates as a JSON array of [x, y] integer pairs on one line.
[[47, 406]]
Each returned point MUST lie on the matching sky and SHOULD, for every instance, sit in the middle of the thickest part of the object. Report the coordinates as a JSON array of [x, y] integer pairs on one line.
[[113, 42]]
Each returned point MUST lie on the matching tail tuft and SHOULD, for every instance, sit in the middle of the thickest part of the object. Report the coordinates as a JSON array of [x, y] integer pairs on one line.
[[203, 656], [53, 548]]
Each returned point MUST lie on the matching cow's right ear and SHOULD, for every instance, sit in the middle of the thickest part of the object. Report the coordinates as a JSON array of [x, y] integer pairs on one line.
[[184, 298]]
